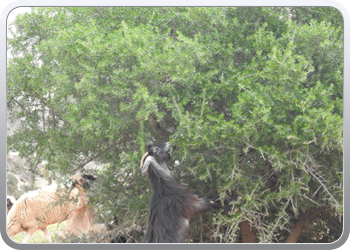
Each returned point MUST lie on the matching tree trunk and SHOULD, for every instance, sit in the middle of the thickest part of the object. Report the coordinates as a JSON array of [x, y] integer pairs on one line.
[[296, 231], [247, 232]]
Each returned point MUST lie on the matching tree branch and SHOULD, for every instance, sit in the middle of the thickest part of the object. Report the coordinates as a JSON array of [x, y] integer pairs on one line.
[[93, 158], [19, 104]]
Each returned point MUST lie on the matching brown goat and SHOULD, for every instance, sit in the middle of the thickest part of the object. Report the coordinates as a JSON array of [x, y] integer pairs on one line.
[[81, 219]]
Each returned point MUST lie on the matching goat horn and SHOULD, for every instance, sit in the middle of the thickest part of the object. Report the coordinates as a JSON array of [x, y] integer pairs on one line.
[[143, 158]]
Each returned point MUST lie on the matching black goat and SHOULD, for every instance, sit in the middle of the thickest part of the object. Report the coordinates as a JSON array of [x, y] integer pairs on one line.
[[172, 204]]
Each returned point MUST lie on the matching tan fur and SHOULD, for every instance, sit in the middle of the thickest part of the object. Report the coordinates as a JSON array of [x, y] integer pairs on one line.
[[81, 219], [43, 171], [36, 210]]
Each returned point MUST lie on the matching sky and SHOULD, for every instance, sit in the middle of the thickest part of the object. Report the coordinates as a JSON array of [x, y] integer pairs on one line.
[[16, 11]]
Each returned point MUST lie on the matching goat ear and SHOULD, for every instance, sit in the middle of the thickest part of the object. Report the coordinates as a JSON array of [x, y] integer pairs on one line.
[[89, 177]]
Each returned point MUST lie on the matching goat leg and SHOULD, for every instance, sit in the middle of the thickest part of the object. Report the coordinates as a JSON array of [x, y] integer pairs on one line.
[[29, 234], [47, 234]]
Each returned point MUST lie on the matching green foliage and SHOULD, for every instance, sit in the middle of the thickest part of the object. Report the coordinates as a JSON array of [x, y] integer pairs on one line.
[[251, 97]]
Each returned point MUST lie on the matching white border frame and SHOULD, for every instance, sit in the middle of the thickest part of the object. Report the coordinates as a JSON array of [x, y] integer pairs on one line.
[[265, 3]]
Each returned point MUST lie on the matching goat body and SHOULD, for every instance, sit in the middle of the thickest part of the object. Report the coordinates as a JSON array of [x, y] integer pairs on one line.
[[172, 204], [36, 210]]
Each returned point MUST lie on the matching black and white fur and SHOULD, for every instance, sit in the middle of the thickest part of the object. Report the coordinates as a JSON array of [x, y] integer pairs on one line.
[[172, 204]]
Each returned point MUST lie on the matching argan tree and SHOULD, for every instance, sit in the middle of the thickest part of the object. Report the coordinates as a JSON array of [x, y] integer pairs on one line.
[[251, 97]]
